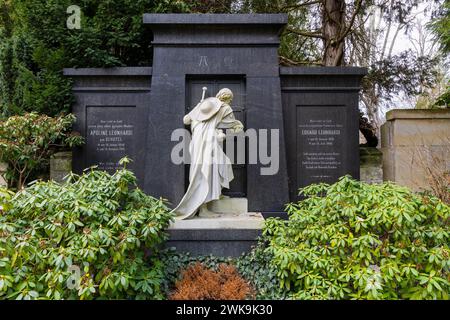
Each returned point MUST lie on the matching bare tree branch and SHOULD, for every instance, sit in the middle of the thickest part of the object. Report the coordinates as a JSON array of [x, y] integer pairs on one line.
[[288, 62], [311, 34], [299, 5]]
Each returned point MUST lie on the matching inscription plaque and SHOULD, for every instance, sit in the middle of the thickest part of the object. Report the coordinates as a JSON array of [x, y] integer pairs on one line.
[[321, 143], [109, 135]]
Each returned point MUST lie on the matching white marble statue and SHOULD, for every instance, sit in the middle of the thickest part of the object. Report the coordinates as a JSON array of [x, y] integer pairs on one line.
[[210, 169]]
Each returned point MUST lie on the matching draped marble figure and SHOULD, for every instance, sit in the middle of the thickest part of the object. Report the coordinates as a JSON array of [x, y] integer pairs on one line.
[[210, 169]]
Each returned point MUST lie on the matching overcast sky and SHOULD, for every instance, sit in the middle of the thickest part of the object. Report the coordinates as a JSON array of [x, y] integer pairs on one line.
[[411, 40]]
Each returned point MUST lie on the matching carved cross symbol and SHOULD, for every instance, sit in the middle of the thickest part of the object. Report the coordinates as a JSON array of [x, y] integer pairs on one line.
[[203, 61]]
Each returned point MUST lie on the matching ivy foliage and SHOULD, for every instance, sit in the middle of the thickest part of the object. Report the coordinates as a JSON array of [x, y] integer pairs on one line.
[[255, 267], [352, 240], [28, 141], [93, 237]]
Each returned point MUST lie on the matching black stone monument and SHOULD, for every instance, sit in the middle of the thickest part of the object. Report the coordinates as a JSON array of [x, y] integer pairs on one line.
[[133, 111], [321, 118], [241, 51], [111, 107]]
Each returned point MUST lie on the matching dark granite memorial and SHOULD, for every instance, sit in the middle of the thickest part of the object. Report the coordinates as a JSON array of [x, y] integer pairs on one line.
[[320, 106], [111, 109], [240, 48], [133, 112]]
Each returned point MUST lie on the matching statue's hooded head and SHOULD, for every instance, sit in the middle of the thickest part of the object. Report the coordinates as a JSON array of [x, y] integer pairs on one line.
[[225, 95]]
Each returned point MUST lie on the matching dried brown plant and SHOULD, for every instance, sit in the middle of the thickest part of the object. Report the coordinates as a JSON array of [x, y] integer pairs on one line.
[[435, 167], [200, 283]]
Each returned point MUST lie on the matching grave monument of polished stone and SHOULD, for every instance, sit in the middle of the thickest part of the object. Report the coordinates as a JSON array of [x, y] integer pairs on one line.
[[304, 120]]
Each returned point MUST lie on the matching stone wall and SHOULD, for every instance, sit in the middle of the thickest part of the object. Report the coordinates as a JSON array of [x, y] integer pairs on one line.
[[416, 147]]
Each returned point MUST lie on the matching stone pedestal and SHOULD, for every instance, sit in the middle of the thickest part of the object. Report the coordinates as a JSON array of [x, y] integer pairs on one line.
[[229, 206], [60, 165], [416, 147], [227, 235], [371, 165]]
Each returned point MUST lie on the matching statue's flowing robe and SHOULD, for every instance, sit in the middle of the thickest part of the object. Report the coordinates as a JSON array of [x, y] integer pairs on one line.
[[210, 169]]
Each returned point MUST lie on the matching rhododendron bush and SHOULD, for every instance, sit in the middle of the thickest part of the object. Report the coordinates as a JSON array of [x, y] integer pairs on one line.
[[95, 236], [352, 240]]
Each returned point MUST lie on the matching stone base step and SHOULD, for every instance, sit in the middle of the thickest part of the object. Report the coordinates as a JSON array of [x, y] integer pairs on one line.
[[227, 235]]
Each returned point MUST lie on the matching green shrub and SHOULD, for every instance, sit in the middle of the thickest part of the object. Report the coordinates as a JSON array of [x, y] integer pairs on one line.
[[94, 237], [352, 240], [27, 142]]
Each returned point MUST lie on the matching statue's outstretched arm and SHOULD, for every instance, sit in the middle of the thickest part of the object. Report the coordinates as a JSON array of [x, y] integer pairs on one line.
[[229, 122]]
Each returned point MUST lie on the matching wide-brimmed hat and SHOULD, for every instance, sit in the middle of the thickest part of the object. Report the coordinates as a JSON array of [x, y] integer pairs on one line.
[[206, 109]]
